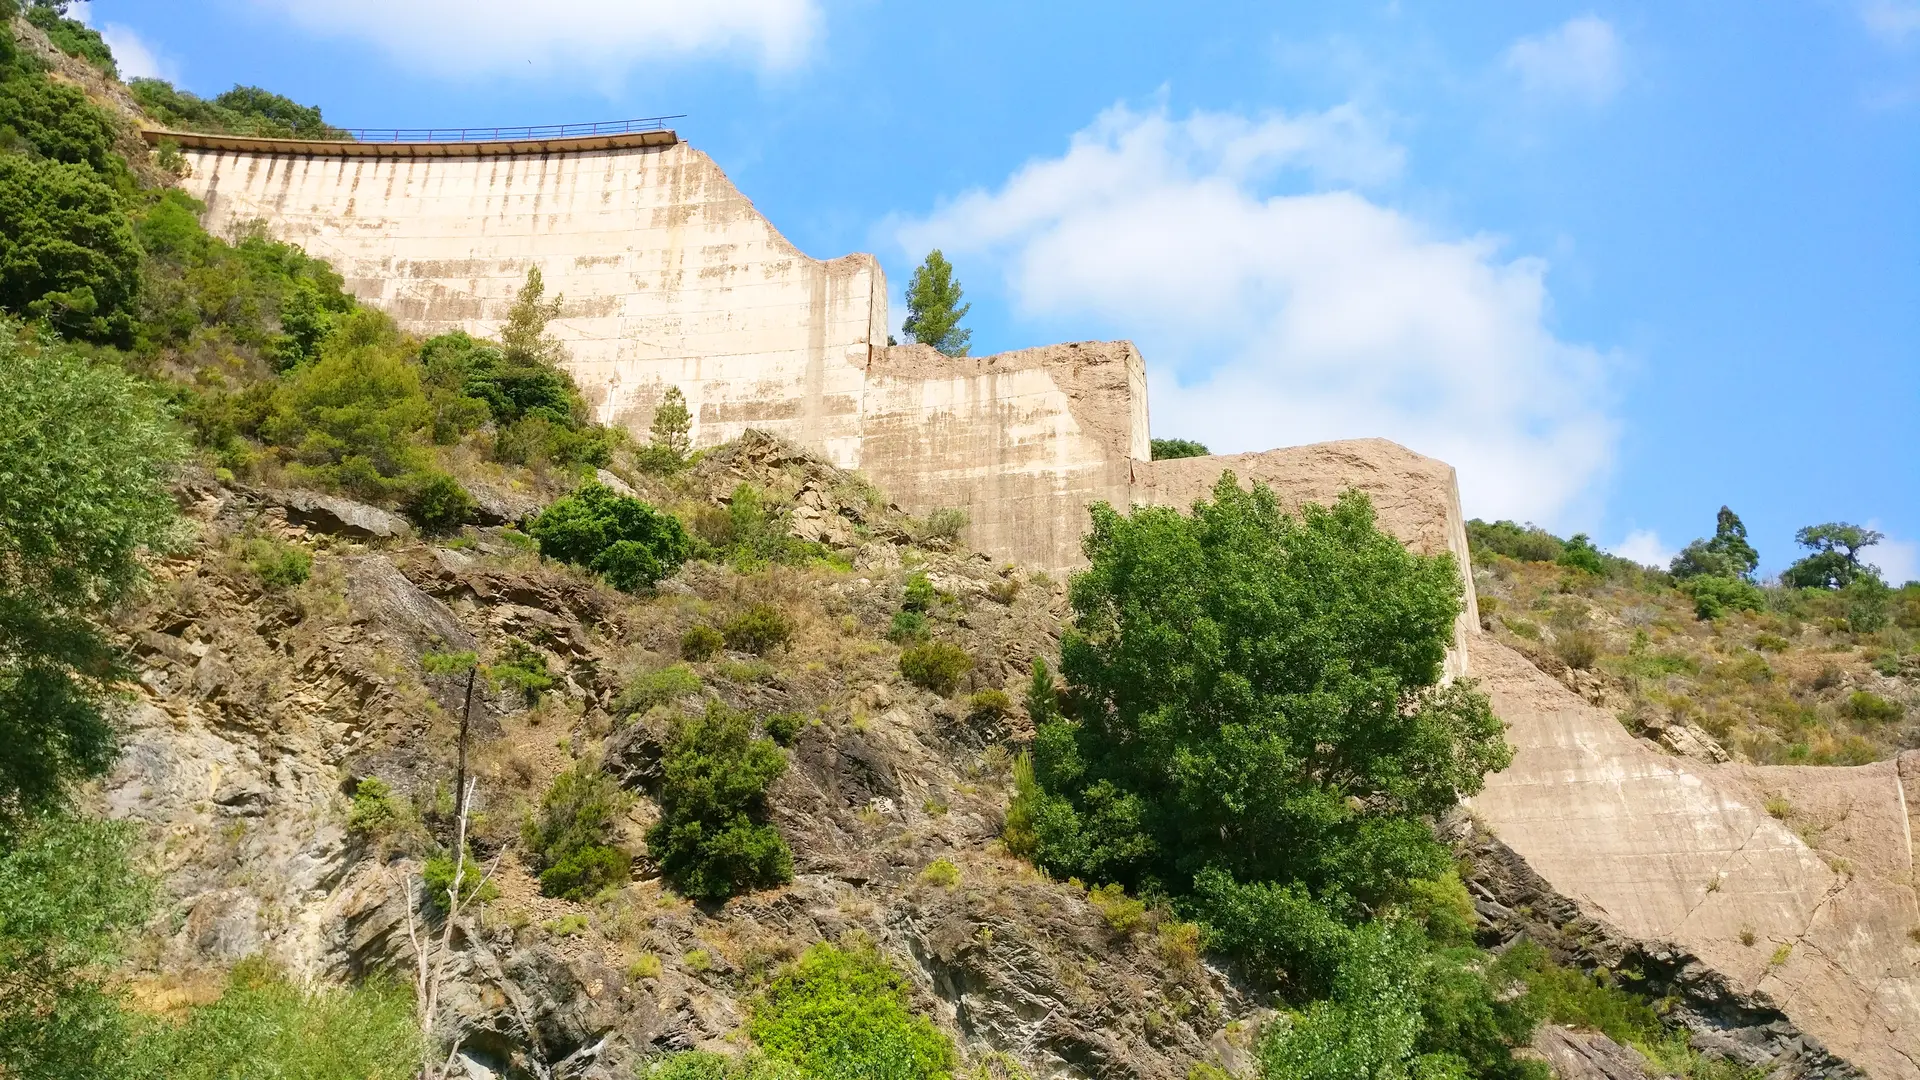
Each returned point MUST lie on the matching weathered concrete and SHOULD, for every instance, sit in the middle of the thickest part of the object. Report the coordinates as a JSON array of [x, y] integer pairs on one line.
[[1670, 849]]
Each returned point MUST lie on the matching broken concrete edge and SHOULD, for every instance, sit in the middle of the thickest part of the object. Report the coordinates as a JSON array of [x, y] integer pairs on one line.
[[1749, 1028]]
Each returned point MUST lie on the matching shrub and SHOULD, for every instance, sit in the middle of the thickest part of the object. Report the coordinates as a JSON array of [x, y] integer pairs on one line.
[[701, 643], [1123, 914], [575, 818], [908, 626], [377, 810], [706, 1065], [437, 877], [1771, 643], [712, 840], [1579, 648], [525, 669], [617, 535], [651, 688], [243, 110], [74, 38], [843, 1012], [784, 727], [583, 872], [278, 565], [941, 873], [438, 505], [1580, 554], [919, 593], [1569, 996], [1165, 449], [1528, 543], [1714, 596], [944, 524], [758, 630], [935, 666], [1867, 707], [989, 704], [67, 251]]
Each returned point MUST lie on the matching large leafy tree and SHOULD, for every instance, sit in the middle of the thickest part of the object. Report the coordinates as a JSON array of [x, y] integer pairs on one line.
[[1835, 559], [1258, 695], [84, 458], [67, 251], [934, 309], [1726, 555]]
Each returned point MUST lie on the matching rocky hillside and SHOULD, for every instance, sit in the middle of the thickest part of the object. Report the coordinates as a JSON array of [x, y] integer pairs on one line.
[[263, 706]]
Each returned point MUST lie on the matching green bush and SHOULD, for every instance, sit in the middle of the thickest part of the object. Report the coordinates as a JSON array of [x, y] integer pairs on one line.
[[567, 833], [525, 669], [1580, 554], [267, 1025], [436, 878], [1526, 543], [54, 120], [243, 110], [1867, 707], [706, 1065], [1165, 449], [377, 810], [784, 727], [701, 643], [354, 419], [1727, 555], [74, 38], [759, 630], [943, 524], [935, 666], [843, 1012], [908, 625], [438, 505], [989, 704], [582, 873], [919, 593], [278, 564], [650, 688], [712, 840], [1714, 596], [614, 534], [67, 251]]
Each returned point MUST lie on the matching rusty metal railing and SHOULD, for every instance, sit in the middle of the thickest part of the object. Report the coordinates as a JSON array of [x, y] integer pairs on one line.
[[510, 134]]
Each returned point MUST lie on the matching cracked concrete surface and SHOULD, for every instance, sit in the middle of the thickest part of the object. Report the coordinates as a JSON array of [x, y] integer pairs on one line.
[[1671, 849]]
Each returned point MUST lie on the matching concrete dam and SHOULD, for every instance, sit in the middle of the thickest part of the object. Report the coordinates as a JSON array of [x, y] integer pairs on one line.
[[671, 277]]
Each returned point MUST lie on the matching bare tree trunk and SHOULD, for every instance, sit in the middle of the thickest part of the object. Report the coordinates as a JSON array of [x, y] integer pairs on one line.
[[460, 769]]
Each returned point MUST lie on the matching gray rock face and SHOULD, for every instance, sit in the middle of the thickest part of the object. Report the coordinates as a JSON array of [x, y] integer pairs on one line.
[[1589, 1055], [338, 516]]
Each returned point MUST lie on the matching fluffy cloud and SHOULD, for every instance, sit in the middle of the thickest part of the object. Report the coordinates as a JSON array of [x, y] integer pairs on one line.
[[464, 37], [1580, 58], [134, 57], [1644, 547], [1898, 560], [1277, 319], [1891, 21]]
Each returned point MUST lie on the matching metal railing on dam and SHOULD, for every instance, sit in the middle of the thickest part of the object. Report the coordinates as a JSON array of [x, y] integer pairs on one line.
[[510, 134]]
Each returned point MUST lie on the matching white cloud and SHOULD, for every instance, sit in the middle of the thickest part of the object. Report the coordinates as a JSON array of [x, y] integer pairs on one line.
[[601, 37], [1644, 547], [1898, 560], [1891, 21], [136, 59], [1273, 320], [1581, 58]]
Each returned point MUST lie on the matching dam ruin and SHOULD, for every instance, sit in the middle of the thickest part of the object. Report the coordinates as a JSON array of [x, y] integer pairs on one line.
[[671, 277]]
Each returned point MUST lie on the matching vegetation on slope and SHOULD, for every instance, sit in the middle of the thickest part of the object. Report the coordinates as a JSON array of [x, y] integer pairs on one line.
[[1819, 667]]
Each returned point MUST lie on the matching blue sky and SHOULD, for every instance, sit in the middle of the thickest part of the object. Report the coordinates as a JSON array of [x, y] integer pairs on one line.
[[1618, 263]]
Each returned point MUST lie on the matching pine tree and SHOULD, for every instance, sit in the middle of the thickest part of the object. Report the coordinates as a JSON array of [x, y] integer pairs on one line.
[[934, 309], [672, 423]]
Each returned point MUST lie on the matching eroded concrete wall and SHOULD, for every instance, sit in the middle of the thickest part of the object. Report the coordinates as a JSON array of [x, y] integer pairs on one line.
[[670, 275], [1671, 849]]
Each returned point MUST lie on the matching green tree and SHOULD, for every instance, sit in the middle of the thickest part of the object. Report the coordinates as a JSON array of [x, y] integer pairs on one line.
[[85, 454], [670, 434], [355, 417], [1257, 697], [1727, 554], [69, 895], [71, 36], [243, 110], [53, 120], [1178, 448], [1835, 562], [568, 836], [630, 542], [712, 840], [1580, 554], [934, 309], [67, 250]]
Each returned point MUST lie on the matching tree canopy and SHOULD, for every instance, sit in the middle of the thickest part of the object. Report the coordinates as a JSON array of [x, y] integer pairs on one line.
[[1835, 559], [1178, 448], [934, 309], [1726, 555], [85, 453]]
